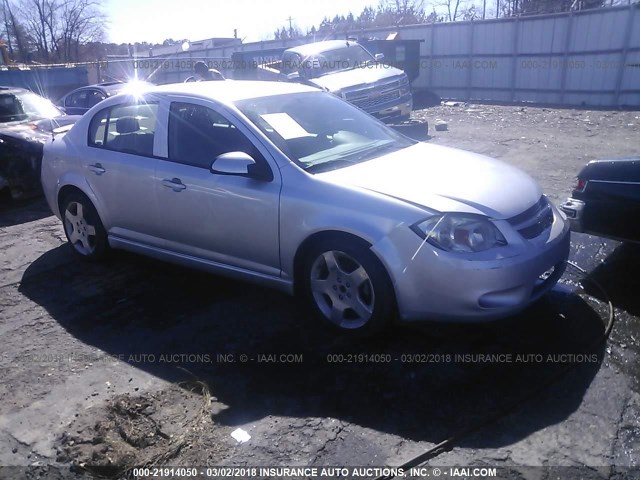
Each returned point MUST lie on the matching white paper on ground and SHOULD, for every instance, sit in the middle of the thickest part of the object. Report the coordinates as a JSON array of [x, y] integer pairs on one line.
[[240, 435]]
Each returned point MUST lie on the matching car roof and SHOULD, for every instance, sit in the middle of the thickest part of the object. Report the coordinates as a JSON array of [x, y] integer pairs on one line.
[[110, 88], [227, 91], [13, 90], [317, 47]]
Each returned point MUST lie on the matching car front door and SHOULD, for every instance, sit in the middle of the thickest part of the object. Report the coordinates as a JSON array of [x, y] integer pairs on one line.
[[227, 219], [120, 168]]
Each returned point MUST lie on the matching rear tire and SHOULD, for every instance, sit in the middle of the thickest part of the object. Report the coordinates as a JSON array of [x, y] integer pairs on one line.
[[347, 287], [83, 227]]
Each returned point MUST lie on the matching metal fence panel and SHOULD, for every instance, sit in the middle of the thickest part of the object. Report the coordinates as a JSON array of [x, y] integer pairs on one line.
[[490, 37], [542, 35]]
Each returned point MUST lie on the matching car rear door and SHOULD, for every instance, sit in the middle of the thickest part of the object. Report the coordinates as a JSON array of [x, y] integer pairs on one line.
[[120, 168], [228, 219]]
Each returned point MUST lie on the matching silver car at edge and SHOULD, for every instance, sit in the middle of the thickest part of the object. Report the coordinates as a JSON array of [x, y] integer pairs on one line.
[[293, 188]]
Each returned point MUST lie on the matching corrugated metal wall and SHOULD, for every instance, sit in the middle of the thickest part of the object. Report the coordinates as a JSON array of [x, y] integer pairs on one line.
[[52, 82], [590, 57]]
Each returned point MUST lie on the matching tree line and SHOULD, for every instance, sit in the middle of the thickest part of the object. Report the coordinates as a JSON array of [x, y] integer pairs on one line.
[[411, 12]]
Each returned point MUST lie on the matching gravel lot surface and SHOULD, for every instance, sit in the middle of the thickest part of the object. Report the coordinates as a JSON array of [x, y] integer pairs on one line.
[[134, 362]]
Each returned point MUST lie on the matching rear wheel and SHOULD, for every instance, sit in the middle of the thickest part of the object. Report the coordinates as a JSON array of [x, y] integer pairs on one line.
[[83, 227], [348, 287]]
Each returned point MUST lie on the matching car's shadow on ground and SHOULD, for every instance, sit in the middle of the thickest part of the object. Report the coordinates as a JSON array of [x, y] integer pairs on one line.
[[421, 382], [620, 276], [14, 212]]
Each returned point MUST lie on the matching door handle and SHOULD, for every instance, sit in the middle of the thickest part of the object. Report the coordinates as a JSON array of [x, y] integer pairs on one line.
[[97, 168], [175, 184]]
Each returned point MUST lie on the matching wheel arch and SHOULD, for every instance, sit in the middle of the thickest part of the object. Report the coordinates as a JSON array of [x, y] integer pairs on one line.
[[319, 237], [67, 190], [78, 185]]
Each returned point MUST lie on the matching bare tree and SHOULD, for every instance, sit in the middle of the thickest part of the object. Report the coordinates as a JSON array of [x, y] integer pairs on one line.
[[530, 7], [470, 13], [37, 15], [452, 7], [57, 28], [14, 32], [80, 22], [401, 12]]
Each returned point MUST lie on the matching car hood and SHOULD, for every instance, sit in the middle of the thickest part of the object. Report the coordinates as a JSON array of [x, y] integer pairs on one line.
[[358, 77], [444, 179], [37, 130]]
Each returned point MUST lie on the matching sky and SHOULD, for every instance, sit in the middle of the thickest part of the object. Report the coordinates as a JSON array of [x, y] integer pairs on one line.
[[153, 21]]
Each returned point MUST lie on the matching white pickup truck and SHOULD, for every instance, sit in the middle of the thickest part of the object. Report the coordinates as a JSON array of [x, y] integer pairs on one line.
[[346, 69]]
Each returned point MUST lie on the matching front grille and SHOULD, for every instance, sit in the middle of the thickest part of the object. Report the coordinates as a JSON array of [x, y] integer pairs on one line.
[[534, 220], [376, 99], [372, 96], [361, 94]]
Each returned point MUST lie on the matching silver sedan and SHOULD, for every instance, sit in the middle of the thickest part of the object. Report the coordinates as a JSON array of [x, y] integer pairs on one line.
[[296, 189]]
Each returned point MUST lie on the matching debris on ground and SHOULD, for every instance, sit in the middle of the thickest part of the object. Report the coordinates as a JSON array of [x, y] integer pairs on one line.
[[441, 126], [240, 435]]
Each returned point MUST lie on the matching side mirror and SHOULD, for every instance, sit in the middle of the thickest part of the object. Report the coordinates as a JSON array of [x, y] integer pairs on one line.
[[240, 164], [379, 57], [293, 76]]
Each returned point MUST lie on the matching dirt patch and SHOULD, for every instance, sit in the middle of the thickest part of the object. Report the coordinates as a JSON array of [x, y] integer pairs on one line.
[[135, 431]]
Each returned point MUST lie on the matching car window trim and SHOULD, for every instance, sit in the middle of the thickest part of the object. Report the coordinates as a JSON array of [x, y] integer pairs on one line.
[[108, 118]]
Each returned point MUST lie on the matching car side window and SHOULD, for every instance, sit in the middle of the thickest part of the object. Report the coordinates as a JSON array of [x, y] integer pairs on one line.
[[94, 97], [77, 100], [197, 135], [290, 63], [125, 128]]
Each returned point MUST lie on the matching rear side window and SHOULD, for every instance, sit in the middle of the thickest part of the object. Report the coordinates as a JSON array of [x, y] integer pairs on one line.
[[125, 128], [77, 100]]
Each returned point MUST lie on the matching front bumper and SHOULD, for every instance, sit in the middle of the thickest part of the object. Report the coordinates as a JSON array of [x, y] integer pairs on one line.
[[432, 284], [393, 110], [574, 210]]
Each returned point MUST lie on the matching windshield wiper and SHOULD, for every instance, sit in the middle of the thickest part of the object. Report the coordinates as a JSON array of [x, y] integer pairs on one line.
[[352, 158], [329, 165], [372, 152]]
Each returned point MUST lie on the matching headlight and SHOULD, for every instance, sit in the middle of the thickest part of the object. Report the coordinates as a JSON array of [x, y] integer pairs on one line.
[[460, 233], [404, 85]]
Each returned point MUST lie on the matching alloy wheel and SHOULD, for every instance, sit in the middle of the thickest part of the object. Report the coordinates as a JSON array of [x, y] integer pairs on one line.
[[81, 233], [342, 289]]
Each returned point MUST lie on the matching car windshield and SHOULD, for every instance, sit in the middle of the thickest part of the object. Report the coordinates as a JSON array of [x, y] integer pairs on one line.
[[15, 107], [320, 132], [336, 60]]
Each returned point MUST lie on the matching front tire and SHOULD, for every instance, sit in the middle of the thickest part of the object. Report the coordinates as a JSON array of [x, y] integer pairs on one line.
[[347, 287], [83, 227]]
